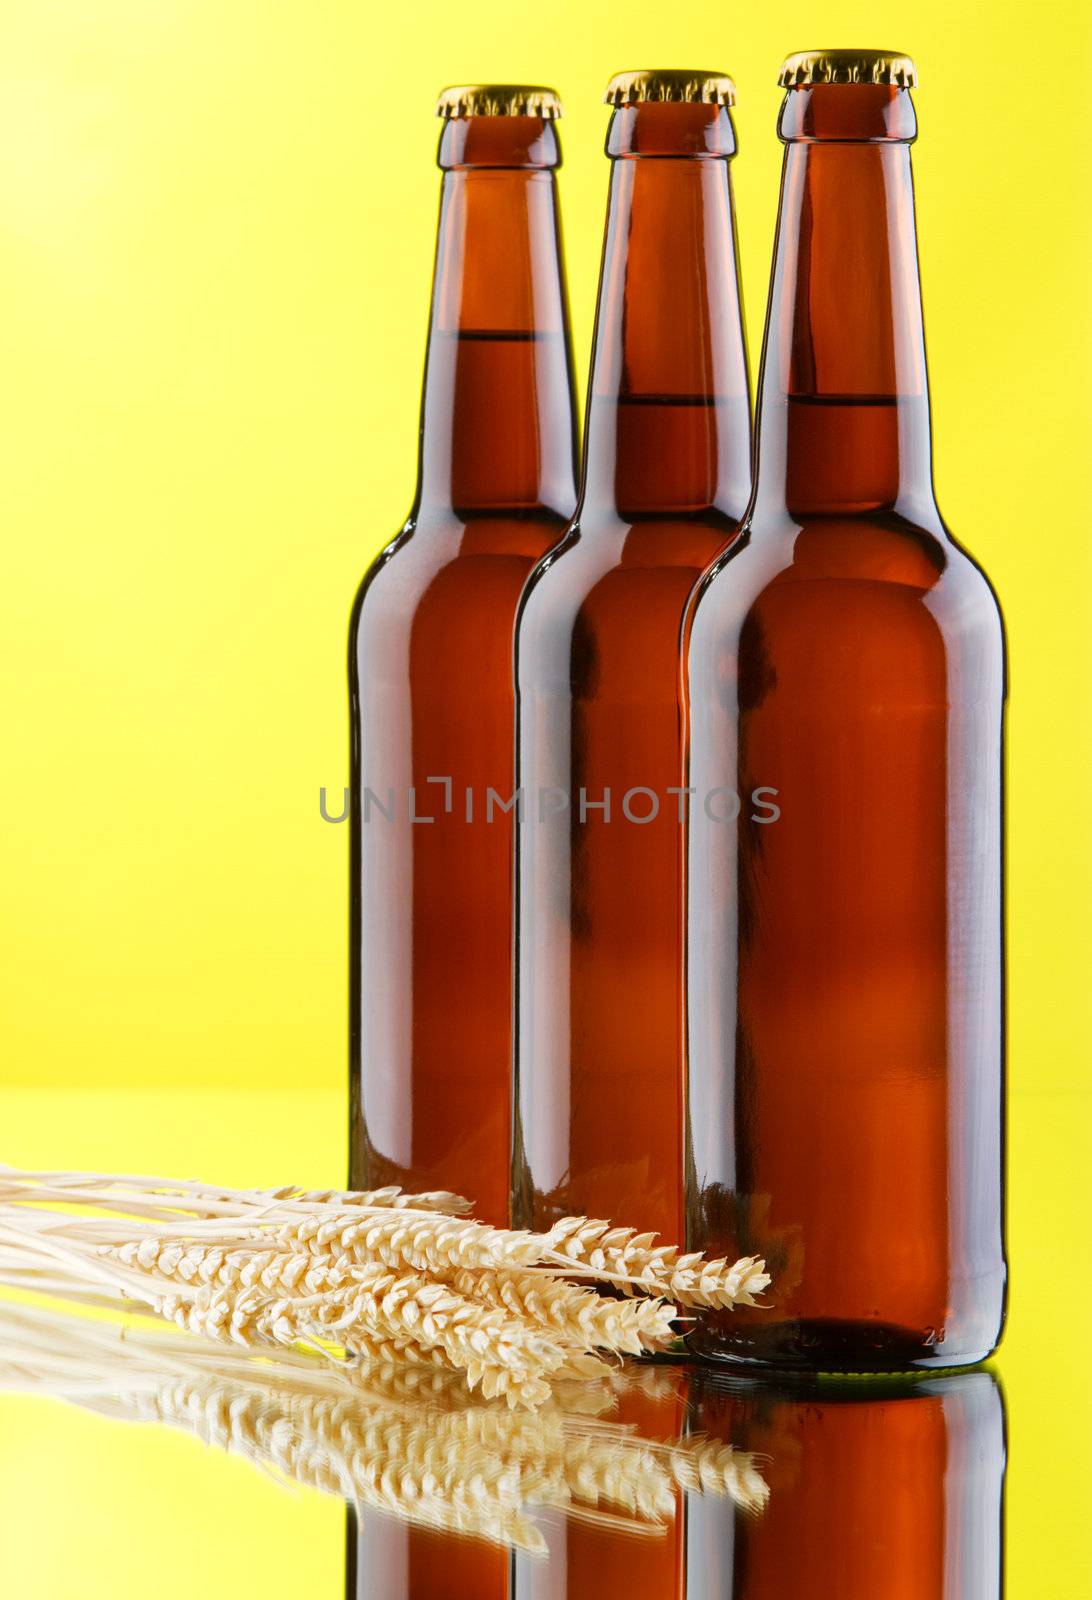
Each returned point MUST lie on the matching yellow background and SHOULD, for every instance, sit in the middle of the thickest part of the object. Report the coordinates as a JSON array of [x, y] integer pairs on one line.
[[216, 228]]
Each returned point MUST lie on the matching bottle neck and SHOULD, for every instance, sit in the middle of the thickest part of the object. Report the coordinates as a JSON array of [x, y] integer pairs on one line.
[[498, 410], [669, 427], [843, 408]]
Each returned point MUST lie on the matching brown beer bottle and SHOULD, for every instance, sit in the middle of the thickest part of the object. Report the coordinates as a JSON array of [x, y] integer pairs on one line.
[[666, 478], [877, 1487], [598, 1557], [430, 665], [846, 660]]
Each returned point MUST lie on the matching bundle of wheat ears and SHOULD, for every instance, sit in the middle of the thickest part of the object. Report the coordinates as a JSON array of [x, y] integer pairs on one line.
[[410, 1441], [363, 1277]]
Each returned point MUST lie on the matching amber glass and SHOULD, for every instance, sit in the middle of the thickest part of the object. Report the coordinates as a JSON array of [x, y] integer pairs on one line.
[[431, 680], [390, 1560], [876, 1488], [586, 1558], [666, 477], [845, 956]]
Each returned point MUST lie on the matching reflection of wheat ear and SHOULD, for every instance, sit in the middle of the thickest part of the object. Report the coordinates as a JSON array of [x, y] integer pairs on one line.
[[406, 1441]]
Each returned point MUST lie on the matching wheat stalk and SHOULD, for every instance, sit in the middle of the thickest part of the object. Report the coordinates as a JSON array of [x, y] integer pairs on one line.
[[625, 1259], [369, 1277], [578, 1316], [204, 1200]]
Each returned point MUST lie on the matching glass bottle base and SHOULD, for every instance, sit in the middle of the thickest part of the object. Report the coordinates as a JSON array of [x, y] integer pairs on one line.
[[828, 1345]]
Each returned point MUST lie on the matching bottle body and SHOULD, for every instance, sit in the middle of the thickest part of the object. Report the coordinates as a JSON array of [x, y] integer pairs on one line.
[[599, 951], [845, 957], [600, 878], [874, 1488], [431, 683], [845, 960]]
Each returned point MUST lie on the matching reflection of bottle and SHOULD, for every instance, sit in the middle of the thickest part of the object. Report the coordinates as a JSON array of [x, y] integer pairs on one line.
[[878, 1488], [589, 1561], [845, 960], [666, 478], [387, 1560], [431, 668]]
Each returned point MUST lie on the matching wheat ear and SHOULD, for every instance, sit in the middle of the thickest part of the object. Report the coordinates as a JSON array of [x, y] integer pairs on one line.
[[495, 1351], [578, 1316], [634, 1263]]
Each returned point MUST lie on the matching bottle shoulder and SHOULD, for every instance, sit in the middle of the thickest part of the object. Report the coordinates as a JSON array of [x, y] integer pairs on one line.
[[829, 574], [602, 614], [882, 550], [440, 559], [599, 555]]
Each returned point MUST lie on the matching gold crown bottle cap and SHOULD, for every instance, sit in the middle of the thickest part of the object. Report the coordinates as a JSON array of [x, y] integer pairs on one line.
[[847, 66], [499, 100], [665, 83]]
